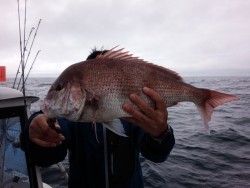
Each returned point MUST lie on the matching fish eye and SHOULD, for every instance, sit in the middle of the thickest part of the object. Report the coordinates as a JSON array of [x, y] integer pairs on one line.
[[60, 86]]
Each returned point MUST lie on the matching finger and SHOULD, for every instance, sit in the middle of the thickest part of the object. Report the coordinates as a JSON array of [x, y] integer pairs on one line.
[[149, 129], [149, 125], [143, 106], [47, 132], [37, 134], [55, 133], [155, 96], [44, 143], [59, 138], [57, 126], [39, 128], [50, 133], [136, 114]]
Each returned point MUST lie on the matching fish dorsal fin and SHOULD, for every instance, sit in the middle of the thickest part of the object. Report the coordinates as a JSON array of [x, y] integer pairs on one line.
[[171, 74], [125, 56], [117, 54]]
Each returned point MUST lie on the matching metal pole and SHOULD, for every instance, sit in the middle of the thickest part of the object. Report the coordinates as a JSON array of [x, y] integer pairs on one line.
[[2, 148], [106, 157]]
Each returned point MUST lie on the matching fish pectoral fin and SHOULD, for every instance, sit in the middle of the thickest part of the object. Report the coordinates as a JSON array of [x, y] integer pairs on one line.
[[116, 127], [96, 97], [93, 101], [92, 96]]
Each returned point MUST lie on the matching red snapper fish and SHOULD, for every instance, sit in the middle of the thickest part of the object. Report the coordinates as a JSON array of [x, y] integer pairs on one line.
[[95, 90]]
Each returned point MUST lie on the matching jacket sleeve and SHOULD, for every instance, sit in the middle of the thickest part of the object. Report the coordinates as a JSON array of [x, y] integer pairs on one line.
[[42, 156], [155, 151]]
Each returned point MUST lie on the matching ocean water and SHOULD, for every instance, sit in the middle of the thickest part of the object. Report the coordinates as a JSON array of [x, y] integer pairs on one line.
[[220, 159]]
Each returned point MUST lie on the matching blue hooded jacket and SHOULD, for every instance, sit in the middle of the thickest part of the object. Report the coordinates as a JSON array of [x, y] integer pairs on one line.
[[86, 150]]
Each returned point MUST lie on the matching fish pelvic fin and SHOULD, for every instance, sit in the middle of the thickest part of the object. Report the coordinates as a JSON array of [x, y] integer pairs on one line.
[[96, 136], [211, 100], [116, 127]]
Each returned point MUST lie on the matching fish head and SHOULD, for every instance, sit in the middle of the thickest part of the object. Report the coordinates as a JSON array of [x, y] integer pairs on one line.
[[66, 97]]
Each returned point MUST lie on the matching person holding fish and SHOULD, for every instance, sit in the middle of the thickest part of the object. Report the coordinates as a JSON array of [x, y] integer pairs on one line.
[[128, 96], [98, 155]]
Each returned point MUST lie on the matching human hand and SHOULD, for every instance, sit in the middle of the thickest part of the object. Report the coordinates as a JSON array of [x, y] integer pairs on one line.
[[42, 134], [153, 121]]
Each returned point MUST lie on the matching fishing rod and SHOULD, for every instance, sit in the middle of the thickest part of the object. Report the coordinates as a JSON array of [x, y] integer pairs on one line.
[[20, 39], [30, 167], [33, 41], [34, 37], [32, 29], [23, 57], [22, 45], [31, 68]]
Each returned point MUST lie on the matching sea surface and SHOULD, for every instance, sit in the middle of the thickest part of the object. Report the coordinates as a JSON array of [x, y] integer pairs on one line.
[[220, 159]]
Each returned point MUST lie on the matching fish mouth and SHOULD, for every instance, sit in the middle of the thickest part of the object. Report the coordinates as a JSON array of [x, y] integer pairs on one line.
[[71, 115], [68, 104]]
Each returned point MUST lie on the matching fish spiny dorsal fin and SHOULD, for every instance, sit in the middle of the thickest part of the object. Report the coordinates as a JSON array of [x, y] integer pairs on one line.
[[108, 53], [114, 54], [119, 54]]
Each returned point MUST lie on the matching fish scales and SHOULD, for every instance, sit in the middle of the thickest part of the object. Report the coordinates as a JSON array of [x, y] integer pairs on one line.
[[95, 90]]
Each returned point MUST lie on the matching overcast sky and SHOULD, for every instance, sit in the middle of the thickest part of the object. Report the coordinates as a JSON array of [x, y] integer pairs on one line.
[[191, 37]]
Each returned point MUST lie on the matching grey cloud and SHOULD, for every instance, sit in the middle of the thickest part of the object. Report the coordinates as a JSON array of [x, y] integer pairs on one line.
[[185, 35]]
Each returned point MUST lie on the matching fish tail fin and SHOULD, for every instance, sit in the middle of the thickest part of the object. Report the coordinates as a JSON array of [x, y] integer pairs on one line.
[[211, 100]]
